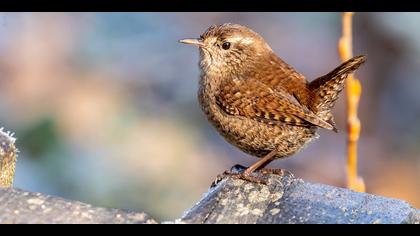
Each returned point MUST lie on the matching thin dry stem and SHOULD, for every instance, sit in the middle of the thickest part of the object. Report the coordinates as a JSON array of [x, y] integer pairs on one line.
[[354, 90]]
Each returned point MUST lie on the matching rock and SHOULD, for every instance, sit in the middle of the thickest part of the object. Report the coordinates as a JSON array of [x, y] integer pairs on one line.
[[18, 206], [286, 199]]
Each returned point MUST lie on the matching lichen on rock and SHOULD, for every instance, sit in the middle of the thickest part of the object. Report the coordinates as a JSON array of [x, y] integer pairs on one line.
[[8, 153]]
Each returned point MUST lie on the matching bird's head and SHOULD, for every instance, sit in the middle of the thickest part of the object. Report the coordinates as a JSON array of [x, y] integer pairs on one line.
[[229, 47]]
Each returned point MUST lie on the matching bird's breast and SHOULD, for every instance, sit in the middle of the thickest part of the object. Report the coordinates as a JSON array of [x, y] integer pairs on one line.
[[251, 136]]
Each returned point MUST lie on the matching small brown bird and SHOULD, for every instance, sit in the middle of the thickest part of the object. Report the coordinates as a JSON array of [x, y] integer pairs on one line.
[[256, 101]]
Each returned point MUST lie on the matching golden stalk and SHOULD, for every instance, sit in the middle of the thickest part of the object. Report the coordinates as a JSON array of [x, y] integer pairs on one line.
[[354, 90]]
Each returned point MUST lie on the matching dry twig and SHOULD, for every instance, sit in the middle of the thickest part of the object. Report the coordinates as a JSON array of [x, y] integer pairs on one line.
[[354, 90]]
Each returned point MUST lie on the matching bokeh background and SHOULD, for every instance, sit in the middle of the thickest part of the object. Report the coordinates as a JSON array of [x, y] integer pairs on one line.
[[104, 104]]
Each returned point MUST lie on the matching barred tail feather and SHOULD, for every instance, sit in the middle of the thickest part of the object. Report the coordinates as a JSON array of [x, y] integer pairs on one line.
[[326, 88]]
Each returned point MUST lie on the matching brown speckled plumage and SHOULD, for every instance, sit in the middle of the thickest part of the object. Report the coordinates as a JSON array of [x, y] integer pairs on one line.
[[255, 100]]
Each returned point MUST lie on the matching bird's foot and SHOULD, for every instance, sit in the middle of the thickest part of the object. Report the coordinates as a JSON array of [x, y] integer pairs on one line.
[[239, 172], [272, 171], [250, 178]]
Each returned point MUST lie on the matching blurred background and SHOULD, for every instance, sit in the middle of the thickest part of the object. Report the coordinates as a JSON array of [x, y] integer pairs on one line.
[[105, 111]]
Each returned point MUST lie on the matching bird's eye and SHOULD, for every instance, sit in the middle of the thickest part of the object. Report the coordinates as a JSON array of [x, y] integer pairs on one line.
[[226, 45]]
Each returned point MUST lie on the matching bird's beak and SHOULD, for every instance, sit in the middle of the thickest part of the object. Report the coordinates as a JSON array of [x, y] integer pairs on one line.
[[197, 42]]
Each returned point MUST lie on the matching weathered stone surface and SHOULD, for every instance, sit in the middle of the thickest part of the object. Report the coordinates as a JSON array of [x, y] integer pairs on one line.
[[18, 206], [286, 199]]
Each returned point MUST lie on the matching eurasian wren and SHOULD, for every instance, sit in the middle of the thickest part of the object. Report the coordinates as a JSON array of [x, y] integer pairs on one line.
[[256, 101]]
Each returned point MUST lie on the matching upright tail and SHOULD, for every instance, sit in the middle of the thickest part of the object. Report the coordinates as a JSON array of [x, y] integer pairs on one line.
[[326, 88]]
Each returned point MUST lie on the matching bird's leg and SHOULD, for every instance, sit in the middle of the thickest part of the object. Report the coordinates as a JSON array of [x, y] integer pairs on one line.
[[261, 163]]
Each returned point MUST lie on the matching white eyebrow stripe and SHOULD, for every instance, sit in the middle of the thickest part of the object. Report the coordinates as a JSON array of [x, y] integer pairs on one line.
[[247, 40]]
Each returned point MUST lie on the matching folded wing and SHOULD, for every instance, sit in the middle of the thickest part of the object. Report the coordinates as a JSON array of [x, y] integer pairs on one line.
[[253, 99]]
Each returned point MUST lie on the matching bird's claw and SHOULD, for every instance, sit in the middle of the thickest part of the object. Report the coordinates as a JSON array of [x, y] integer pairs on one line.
[[239, 175], [272, 171]]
